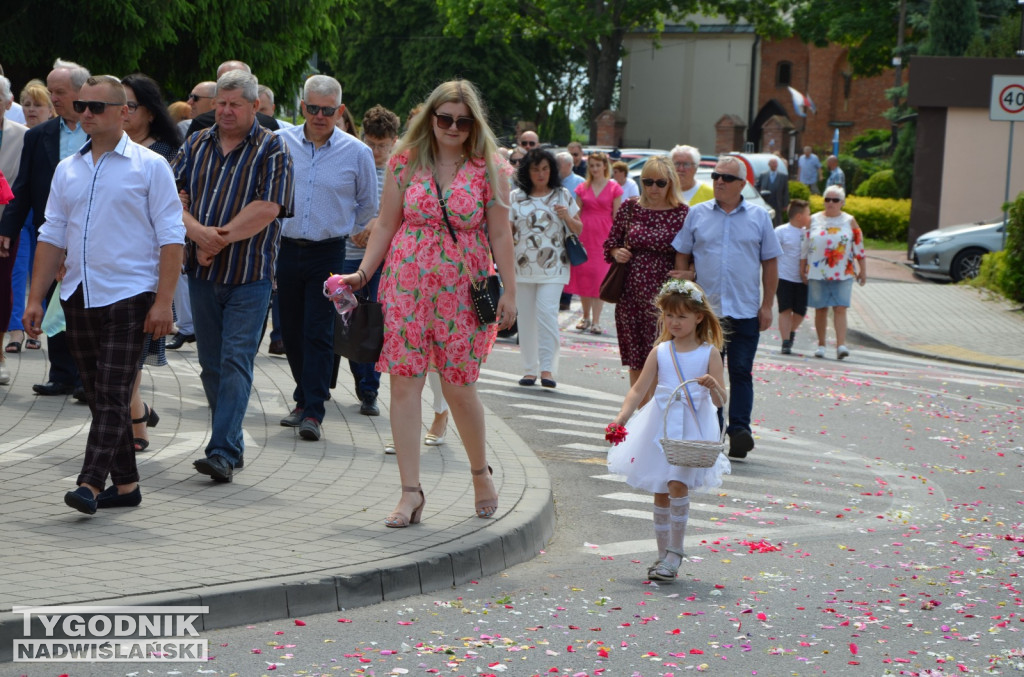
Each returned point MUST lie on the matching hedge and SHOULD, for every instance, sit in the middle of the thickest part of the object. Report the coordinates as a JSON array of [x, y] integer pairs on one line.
[[881, 184], [878, 218]]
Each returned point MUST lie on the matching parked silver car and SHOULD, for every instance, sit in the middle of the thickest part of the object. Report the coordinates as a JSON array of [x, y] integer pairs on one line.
[[955, 253]]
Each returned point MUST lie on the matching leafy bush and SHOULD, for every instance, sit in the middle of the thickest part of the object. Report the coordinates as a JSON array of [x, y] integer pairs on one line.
[[870, 143], [881, 184], [878, 218], [798, 191], [1004, 271], [858, 170]]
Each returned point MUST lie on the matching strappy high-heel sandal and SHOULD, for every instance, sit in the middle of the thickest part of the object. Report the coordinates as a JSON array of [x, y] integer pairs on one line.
[[150, 418], [486, 507], [397, 520]]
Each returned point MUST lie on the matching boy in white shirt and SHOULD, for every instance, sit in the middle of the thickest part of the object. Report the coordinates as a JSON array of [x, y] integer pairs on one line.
[[792, 291]]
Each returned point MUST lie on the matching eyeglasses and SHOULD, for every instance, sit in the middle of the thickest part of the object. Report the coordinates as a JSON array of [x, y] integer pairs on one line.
[[195, 97], [314, 110], [95, 107], [684, 165], [832, 199], [132, 106], [527, 144], [660, 183], [382, 146], [445, 121], [728, 178]]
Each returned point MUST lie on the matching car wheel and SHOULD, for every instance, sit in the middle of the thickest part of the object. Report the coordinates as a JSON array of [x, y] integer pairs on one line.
[[966, 264]]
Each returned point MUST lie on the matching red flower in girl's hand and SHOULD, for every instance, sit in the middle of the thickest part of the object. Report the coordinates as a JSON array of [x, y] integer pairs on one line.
[[615, 433]]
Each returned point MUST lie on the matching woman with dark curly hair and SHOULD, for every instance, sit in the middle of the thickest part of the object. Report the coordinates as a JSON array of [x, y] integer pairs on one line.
[[149, 124], [542, 214]]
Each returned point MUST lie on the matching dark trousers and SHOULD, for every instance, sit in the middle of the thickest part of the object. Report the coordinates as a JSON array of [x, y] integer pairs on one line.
[[741, 337], [62, 362], [106, 344], [365, 374], [307, 318]]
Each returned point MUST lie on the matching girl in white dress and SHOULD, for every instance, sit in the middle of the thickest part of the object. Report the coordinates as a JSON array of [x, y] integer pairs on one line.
[[687, 348]]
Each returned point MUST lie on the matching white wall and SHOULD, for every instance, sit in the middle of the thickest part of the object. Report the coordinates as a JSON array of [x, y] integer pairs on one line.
[[974, 166], [675, 94]]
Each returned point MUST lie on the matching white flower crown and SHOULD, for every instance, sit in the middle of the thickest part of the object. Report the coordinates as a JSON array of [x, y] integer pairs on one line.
[[684, 287]]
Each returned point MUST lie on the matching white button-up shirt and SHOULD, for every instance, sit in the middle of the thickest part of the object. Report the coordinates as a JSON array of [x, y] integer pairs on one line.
[[112, 217], [335, 185]]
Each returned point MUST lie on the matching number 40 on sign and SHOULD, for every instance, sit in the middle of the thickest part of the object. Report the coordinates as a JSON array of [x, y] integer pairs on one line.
[[1007, 98]]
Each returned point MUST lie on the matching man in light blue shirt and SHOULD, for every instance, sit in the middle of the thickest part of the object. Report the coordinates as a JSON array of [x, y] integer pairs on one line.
[[809, 170], [836, 176], [335, 191], [735, 250]]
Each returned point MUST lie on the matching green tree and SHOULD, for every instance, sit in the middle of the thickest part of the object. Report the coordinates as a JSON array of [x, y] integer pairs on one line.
[[596, 28], [178, 42], [395, 53], [558, 130], [1002, 40], [903, 159], [952, 24]]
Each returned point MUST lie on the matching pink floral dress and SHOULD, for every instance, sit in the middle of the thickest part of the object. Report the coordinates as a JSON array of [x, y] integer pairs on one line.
[[429, 321]]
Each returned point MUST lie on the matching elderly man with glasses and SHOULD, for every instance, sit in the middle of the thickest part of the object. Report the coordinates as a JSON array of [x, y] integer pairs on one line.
[[733, 245], [686, 160]]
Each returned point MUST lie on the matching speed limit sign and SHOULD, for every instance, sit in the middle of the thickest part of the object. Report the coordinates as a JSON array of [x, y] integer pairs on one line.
[[1007, 98]]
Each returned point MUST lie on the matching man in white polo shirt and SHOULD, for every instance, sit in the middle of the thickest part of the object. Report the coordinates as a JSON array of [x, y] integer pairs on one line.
[[114, 209]]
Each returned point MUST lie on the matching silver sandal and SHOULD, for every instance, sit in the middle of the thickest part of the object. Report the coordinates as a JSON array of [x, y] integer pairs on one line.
[[664, 571]]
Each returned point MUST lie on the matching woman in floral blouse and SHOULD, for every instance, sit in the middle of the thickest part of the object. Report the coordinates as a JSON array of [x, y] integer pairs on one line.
[[831, 256]]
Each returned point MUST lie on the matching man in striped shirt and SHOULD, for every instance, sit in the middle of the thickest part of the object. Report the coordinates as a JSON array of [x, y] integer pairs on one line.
[[238, 179]]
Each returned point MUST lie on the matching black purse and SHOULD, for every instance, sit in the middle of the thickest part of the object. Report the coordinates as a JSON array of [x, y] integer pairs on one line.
[[483, 293], [574, 249], [361, 338]]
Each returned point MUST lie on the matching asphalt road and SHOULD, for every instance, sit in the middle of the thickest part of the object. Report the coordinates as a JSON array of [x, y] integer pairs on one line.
[[876, 529]]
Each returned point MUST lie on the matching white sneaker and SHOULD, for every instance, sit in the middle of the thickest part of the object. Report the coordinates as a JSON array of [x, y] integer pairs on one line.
[[842, 352], [820, 352], [5, 375]]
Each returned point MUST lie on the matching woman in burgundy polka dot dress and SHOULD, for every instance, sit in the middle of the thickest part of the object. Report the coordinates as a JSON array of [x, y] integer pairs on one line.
[[642, 234]]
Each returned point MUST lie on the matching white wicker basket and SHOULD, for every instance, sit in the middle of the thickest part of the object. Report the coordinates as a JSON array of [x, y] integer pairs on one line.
[[689, 453]]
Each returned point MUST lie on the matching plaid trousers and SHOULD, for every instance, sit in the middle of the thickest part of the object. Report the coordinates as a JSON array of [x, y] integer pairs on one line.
[[106, 343]]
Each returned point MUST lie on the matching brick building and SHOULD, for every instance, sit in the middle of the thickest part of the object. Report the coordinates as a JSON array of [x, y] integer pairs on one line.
[[850, 104]]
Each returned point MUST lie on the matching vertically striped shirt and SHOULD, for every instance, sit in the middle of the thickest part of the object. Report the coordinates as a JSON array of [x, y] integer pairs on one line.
[[219, 186]]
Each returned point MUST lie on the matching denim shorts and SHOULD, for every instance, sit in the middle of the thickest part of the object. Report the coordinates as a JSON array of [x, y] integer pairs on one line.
[[829, 293]]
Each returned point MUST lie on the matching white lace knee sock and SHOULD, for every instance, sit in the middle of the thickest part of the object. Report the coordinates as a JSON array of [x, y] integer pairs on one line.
[[661, 529], [679, 514]]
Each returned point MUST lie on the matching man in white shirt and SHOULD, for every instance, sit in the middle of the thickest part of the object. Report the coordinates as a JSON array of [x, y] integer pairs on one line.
[[114, 209]]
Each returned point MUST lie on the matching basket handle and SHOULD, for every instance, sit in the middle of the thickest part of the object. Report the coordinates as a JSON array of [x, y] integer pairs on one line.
[[689, 400]]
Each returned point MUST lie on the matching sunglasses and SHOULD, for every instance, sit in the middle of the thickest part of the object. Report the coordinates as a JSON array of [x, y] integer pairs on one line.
[[314, 110], [445, 121], [660, 183], [515, 161], [196, 97], [832, 199], [95, 107], [728, 178], [527, 144]]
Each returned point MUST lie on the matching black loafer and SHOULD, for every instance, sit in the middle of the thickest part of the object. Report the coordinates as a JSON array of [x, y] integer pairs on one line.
[[179, 339], [79, 395], [109, 498], [216, 467], [740, 442], [548, 382], [82, 500], [524, 381], [276, 347], [52, 388]]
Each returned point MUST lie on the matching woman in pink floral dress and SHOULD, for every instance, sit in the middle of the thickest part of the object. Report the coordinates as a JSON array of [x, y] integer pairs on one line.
[[429, 321]]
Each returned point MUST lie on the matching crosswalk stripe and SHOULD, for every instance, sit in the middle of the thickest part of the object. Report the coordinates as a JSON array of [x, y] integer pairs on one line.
[[567, 421], [579, 446]]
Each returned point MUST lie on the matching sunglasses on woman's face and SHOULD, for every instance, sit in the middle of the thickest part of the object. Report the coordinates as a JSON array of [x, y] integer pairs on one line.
[[660, 183], [445, 121], [728, 178], [832, 199]]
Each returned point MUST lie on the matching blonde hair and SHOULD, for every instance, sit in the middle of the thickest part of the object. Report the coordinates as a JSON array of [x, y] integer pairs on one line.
[[679, 295], [179, 110], [421, 144], [602, 157], [37, 92], [661, 167]]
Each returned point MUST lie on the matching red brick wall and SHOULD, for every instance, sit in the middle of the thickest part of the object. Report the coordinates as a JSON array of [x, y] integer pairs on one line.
[[818, 72]]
